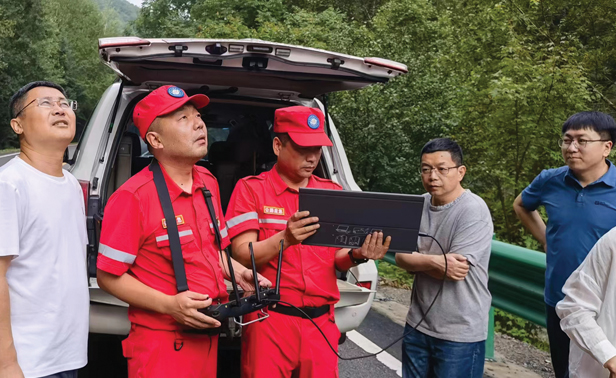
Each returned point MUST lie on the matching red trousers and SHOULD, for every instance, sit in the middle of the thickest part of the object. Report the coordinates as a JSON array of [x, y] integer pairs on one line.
[[154, 353], [284, 346]]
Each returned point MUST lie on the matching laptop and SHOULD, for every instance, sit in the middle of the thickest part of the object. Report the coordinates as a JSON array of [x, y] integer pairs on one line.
[[347, 217]]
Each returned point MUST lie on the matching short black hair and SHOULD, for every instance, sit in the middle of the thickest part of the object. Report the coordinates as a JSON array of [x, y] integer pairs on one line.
[[602, 123], [284, 138], [444, 144], [18, 99]]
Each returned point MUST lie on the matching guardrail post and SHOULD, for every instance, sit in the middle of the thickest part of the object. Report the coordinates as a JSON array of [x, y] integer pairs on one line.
[[490, 340]]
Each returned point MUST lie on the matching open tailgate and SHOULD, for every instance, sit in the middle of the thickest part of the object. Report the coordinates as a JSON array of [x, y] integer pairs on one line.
[[247, 63]]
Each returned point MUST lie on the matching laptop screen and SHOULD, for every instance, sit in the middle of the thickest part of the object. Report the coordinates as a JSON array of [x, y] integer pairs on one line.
[[347, 217]]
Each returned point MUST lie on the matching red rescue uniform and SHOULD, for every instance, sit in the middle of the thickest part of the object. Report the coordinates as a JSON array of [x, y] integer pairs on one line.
[[134, 239], [283, 344]]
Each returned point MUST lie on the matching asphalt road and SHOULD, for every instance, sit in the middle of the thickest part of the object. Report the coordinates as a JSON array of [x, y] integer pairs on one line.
[[381, 331], [5, 158]]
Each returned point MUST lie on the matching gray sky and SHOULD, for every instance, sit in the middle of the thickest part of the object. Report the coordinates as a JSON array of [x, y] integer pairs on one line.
[[136, 2]]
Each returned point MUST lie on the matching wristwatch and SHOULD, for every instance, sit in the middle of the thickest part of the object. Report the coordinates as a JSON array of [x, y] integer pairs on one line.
[[356, 261]]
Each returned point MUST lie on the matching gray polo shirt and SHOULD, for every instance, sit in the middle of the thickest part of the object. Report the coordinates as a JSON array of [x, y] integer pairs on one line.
[[460, 314]]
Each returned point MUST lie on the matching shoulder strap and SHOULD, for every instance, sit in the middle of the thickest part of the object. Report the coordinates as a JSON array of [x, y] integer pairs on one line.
[[172, 227], [210, 209]]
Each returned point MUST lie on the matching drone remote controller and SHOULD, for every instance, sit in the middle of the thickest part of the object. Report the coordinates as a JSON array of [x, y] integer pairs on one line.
[[238, 306]]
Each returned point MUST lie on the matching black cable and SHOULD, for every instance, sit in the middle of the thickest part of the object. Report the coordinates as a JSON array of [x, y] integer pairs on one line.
[[354, 276], [438, 294]]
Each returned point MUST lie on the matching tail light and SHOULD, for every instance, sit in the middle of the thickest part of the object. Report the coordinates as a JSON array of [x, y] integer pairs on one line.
[[104, 43], [365, 284], [85, 188], [386, 63]]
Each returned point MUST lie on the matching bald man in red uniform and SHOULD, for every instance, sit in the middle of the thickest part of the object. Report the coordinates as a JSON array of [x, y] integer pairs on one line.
[[134, 262]]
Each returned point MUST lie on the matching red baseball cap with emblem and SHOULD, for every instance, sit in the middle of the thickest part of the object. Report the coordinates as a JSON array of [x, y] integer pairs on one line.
[[304, 125], [161, 101]]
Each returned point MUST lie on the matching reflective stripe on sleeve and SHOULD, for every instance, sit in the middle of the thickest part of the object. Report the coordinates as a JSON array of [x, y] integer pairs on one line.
[[271, 220], [116, 255], [242, 218]]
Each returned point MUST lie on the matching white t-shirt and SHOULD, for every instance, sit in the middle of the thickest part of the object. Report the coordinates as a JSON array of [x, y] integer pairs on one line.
[[42, 224]]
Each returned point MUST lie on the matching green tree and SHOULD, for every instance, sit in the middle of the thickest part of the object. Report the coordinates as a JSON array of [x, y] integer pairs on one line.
[[384, 127], [84, 76], [362, 11], [518, 81], [165, 18], [31, 54], [123, 11], [52, 44], [7, 30]]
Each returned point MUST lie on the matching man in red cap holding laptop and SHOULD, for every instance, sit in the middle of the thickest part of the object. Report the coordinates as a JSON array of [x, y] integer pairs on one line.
[[264, 210], [135, 260]]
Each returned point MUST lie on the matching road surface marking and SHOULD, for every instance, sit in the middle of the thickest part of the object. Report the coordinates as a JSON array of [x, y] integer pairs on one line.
[[370, 347]]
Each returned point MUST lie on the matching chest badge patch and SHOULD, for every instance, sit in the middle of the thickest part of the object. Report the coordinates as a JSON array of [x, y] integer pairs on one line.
[[178, 218], [273, 210]]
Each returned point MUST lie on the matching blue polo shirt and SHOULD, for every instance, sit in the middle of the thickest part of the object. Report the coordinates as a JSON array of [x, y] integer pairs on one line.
[[577, 218]]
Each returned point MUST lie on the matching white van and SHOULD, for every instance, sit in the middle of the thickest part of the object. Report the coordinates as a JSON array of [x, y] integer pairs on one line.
[[246, 80]]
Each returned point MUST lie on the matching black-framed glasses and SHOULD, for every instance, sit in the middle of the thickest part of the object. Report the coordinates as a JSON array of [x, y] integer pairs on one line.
[[579, 143], [441, 171], [49, 102]]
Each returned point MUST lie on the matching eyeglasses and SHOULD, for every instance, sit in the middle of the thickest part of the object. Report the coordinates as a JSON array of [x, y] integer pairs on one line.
[[579, 143], [441, 171], [49, 102]]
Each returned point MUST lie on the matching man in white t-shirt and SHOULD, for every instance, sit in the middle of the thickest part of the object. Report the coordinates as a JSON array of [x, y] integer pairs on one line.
[[43, 281]]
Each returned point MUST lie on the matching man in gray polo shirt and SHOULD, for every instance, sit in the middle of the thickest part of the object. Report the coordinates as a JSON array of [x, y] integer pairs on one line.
[[450, 341]]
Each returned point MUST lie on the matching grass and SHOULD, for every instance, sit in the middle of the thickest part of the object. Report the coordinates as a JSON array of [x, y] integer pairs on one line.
[[394, 276], [8, 151], [504, 322], [521, 329]]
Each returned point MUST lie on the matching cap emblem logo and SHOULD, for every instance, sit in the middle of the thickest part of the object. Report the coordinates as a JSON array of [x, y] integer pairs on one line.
[[175, 92], [313, 122]]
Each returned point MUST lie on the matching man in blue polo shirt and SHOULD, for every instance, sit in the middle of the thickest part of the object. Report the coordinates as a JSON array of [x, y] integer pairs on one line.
[[580, 201]]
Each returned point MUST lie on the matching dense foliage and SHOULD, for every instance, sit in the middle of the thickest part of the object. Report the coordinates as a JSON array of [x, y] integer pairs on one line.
[[51, 40]]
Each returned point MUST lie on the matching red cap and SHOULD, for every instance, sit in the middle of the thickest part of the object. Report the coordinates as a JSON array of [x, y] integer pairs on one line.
[[304, 125], [161, 101]]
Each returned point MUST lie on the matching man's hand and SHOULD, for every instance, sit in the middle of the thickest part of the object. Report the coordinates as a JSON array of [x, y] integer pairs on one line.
[[11, 371], [299, 228], [183, 308], [457, 266], [373, 247], [246, 280], [611, 366]]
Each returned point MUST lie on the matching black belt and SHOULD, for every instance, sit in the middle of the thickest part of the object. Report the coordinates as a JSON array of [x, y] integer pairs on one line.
[[206, 331], [312, 312]]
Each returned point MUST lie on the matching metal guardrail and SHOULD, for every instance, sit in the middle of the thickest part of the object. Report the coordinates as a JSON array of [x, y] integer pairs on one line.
[[517, 278], [516, 283]]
